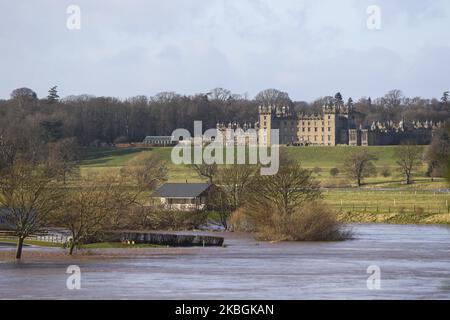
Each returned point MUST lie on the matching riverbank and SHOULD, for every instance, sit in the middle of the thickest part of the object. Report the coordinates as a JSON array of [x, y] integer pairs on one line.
[[42, 253]]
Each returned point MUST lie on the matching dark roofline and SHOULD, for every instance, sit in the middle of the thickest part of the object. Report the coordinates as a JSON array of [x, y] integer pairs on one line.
[[181, 190]]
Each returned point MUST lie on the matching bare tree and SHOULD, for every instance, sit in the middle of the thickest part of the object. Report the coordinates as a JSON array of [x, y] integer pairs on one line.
[[204, 170], [220, 202], [233, 185], [8, 152], [220, 94], [63, 157], [148, 169], [289, 188], [286, 206], [23, 95], [273, 97], [438, 152], [359, 165], [408, 158], [96, 207], [393, 99], [31, 197], [236, 180]]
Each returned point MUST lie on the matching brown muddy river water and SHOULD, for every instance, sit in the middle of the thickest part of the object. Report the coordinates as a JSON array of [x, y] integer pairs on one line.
[[414, 263]]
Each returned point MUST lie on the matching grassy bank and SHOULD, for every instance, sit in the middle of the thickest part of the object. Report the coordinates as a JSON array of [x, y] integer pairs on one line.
[[390, 206], [101, 245], [32, 243]]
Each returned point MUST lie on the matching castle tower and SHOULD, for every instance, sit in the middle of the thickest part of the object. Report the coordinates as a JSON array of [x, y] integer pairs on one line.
[[330, 117], [265, 124]]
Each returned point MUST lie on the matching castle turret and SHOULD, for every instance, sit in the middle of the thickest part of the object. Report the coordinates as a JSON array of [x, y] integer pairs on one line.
[[265, 124]]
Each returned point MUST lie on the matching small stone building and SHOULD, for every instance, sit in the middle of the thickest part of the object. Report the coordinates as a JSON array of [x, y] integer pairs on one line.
[[159, 141], [183, 196]]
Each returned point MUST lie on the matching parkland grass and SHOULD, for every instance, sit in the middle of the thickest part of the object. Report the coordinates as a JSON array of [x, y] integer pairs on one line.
[[381, 199]]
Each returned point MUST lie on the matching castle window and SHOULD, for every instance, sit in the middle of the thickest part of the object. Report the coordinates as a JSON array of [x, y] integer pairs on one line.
[[309, 129], [329, 129], [329, 117], [323, 129], [329, 138], [315, 129], [303, 129]]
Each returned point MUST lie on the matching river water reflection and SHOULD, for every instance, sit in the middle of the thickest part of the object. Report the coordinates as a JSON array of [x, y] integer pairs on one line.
[[414, 263]]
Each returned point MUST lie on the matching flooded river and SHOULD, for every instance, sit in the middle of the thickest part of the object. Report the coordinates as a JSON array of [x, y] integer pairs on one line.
[[414, 263]]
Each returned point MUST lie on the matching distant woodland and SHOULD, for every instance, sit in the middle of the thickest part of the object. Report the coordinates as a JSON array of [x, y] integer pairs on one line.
[[91, 120]]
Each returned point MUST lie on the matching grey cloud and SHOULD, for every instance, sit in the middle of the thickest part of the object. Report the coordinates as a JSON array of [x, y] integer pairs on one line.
[[308, 48]]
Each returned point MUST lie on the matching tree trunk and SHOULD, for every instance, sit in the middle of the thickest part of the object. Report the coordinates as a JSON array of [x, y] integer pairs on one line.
[[408, 179], [72, 246], [19, 248], [359, 182]]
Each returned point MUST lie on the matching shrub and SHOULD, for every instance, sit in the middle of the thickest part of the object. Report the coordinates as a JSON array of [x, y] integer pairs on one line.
[[420, 210], [175, 220], [240, 222], [317, 170], [386, 172], [313, 221], [334, 172]]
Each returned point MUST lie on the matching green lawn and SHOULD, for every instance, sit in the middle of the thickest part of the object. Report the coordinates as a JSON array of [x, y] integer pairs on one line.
[[330, 157], [310, 157], [320, 158], [32, 243], [416, 203], [396, 206]]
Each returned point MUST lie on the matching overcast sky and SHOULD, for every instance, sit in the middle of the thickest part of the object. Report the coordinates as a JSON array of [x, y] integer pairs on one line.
[[307, 48]]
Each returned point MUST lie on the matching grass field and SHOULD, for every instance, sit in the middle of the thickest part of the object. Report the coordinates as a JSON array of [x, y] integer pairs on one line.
[[381, 199], [29, 242], [321, 159]]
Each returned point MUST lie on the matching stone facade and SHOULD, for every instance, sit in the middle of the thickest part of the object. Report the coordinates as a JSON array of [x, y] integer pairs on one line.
[[336, 126]]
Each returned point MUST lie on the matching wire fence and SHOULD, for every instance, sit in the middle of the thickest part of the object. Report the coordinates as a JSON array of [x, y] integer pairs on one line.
[[404, 208], [389, 201]]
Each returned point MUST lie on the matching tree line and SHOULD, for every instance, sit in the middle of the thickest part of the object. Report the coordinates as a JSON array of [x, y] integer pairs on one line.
[[91, 120]]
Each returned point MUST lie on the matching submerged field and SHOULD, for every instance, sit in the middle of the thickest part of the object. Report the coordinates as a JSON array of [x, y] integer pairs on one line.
[[381, 199]]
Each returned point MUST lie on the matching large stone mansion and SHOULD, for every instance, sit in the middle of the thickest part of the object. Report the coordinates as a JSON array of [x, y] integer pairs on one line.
[[335, 126]]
